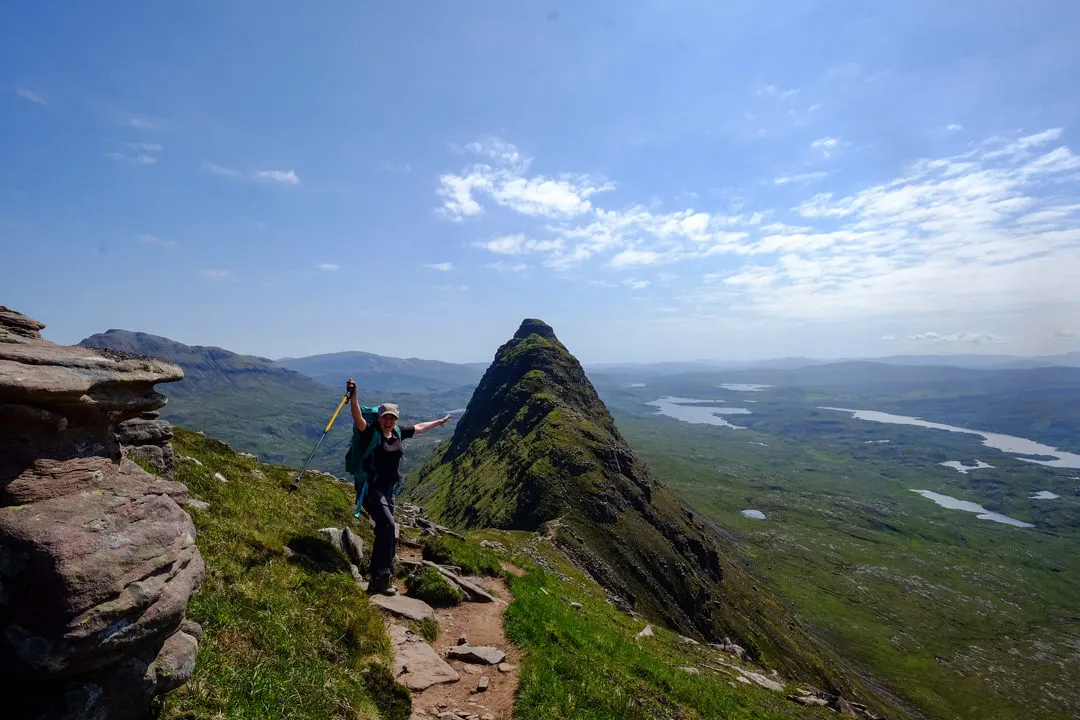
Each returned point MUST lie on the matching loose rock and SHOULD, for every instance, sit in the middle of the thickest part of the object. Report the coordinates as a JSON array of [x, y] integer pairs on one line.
[[483, 655], [416, 664]]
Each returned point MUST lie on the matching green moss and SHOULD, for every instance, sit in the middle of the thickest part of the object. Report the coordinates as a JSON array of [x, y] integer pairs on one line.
[[429, 585]]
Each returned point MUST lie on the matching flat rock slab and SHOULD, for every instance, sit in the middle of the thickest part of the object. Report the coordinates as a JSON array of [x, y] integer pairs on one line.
[[416, 665], [480, 655], [763, 681], [404, 606]]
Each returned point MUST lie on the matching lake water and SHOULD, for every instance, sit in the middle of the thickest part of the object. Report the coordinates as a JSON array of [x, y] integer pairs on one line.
[[968, 506], [961, 467], [1005, 443], [744, 387], [458, 411], [756, 514], [681, 409], [1043, 495]]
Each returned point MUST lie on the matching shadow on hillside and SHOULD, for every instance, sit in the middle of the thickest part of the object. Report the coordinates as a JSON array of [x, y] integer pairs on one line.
[[315, 553]]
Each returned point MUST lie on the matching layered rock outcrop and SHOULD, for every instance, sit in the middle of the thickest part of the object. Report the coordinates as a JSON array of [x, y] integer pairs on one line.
[[97, 556]]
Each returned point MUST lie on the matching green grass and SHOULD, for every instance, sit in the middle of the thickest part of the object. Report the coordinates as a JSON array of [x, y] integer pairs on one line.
[[471, 558], [428, 628], [284, 637], [584, 663], [429, 585], [945, 608]]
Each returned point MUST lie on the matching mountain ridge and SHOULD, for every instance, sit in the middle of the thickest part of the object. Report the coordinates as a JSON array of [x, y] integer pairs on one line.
[[537, 450]]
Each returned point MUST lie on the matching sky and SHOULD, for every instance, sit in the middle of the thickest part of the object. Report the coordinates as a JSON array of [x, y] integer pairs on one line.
[[656, 179]]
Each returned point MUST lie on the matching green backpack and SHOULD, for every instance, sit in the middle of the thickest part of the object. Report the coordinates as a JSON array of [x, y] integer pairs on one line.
[[355, 458]]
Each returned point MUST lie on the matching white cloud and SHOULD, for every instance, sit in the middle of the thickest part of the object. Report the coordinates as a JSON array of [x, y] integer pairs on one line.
[[328, 266], [954, 127], [285, 177], [628, 258], [215, 274], [31, 96], [636, 284], [444, 267], [1060, 335], [155, 240], [502, 266], [145, 147], [963, 338], [219, 170], [800, 178], [991, 231], [825, 143], [888, 338], [506, 183], [519, 244]]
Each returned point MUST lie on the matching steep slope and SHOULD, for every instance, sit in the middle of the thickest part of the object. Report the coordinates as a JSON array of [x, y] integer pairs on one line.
[[537, 450], [377, 372]]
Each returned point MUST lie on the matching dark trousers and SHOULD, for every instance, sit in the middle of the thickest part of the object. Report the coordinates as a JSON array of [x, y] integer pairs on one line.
[[379, 502]]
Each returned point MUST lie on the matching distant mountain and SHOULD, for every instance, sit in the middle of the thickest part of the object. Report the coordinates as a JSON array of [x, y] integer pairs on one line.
[[538, 450], [378, 372], [258, 406]]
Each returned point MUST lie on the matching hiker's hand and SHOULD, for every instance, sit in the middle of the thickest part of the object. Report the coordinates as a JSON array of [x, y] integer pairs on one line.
[[350, 387]]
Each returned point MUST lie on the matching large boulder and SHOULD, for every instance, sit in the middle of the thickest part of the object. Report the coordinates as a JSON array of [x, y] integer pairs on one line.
[[97, 556]]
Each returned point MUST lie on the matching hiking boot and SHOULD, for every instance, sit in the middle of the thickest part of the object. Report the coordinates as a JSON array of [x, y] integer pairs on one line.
[[390, 589], [381, 584]]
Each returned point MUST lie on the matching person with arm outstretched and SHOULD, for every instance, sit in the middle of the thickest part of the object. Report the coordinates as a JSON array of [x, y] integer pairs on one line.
[[379, 469]]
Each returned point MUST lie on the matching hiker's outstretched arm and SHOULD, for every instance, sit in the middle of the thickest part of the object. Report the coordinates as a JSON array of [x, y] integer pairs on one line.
[[425, 426], [354, 406]]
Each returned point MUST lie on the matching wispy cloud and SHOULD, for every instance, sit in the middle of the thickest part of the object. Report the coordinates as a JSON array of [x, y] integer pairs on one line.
[[993, 229], [503, 266], [215, 274], [31, 96], [800, 178], [155, 240], [134, 159], [145, 122], [144, 146], [444, 266], [285, 177], [963, 338], [505, 180], [1060, 335], [328, 266], [634, 284], [223, 171], [397, 167], [953, 127]]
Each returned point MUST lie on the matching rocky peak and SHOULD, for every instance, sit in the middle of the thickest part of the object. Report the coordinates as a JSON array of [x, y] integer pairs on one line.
[[532, 326], [97, 556]]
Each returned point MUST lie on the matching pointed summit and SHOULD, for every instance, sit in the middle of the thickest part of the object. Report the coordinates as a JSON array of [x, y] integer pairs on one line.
[[538, 449], [532, 326]]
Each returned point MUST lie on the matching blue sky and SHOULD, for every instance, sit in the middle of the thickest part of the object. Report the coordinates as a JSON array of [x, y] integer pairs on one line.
[[657, 180]]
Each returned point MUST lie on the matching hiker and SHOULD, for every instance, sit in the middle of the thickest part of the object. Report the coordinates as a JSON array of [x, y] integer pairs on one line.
[[379, 445]]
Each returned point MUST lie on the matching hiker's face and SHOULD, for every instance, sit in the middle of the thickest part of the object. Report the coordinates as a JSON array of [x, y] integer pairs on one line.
[[388, 422]]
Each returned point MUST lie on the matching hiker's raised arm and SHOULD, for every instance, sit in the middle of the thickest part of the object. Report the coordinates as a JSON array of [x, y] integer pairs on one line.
[[425, 426], [354, 406]]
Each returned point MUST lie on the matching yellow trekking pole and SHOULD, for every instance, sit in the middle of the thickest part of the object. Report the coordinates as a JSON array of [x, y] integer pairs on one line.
[[296, 483]]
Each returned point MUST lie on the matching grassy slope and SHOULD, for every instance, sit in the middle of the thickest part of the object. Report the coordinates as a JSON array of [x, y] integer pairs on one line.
[[970, 619], [295, 639], [283, 638], [584, 663]]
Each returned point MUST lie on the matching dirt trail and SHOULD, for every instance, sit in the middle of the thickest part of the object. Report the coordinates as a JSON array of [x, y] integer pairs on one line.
[[482, 625]]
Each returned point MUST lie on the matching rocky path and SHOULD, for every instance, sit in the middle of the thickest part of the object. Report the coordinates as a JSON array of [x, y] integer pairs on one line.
[[470, 672]]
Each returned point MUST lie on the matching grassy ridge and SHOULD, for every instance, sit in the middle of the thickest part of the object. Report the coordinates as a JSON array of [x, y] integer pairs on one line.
[[284, 637]]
